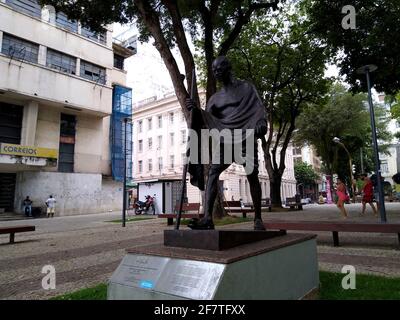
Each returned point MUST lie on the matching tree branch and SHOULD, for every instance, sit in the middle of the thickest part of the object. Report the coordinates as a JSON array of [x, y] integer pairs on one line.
[[242, 20], [183, 46], [152, 22]]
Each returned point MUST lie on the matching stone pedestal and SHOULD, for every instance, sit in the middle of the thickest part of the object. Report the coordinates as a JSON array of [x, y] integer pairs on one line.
[[283, 267]]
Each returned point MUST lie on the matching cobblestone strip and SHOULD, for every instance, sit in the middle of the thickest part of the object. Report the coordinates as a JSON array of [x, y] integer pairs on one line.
[[14, 288], [367, 261], [51, 257]]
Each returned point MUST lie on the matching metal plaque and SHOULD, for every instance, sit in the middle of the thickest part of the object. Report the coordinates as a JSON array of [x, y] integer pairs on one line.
[[139, 271], [190, 279]]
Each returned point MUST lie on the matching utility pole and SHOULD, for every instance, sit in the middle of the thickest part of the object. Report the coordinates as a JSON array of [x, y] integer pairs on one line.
[[366, 70]]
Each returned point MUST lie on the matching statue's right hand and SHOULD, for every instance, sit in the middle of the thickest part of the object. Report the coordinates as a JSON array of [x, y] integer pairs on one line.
[[190, 105]]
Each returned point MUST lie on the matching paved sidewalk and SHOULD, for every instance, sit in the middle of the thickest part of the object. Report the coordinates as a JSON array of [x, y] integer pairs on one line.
[[85, 250]]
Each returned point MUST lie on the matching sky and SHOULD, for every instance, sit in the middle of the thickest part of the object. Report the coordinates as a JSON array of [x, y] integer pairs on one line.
[[147, 74]]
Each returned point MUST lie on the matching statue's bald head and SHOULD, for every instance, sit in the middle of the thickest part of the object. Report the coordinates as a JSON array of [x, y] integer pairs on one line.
[[222, 68]]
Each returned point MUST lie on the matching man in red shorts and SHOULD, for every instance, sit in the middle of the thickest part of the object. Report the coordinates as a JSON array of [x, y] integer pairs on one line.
[[368, 194]]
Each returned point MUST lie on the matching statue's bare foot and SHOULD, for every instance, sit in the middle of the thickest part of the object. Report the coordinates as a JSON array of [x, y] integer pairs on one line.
[[203, 224], [259, 225]]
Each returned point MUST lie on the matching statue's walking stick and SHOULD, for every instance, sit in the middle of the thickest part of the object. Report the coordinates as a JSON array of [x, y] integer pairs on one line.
[[186, 165]]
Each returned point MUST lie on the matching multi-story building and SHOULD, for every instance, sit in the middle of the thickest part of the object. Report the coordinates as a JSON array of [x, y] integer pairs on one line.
[[159, 139], [308, 155], [390, 163], [62, 97]]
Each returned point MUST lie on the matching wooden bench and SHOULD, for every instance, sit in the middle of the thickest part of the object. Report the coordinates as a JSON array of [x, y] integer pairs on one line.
[[236, 206], [266, 203], [15, 229], [186, 207], [294, 204], [334, 227]]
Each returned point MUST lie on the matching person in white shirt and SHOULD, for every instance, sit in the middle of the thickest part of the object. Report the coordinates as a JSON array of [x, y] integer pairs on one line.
[[51, 206]]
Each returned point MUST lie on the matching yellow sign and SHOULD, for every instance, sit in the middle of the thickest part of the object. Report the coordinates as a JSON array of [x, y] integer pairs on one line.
[[27, 151]]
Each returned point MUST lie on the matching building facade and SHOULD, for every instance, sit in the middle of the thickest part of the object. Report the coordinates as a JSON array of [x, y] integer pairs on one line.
[[390, 163], [159, 139], [59, 86], [307, 154]]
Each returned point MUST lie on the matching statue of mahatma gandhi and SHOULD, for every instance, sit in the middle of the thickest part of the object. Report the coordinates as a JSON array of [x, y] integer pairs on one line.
[[237, 106]]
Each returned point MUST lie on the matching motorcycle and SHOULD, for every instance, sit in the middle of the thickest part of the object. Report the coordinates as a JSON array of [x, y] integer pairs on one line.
[[140, 207], [144, 206]]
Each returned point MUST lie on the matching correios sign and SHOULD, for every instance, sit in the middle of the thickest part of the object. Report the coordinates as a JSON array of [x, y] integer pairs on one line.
[[28, 151]]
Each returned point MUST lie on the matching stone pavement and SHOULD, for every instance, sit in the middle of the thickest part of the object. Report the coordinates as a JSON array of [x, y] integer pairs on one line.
[[85, 250]]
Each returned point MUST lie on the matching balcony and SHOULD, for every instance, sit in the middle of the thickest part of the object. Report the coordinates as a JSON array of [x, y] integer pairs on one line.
[[27, 80]]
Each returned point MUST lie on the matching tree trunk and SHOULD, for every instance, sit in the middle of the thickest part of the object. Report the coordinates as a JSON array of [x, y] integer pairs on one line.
[[275, 187]]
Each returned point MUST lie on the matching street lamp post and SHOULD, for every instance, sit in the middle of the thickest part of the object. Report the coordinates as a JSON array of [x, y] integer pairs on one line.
[[366, 70], [362, 160], [126, 120], [337, 140]]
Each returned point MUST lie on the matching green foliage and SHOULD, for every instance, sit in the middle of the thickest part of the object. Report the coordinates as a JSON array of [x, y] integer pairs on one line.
[[276, 53], [345, 116], [304, 173], [368, 287], [130, 219], [98, 292], [376, 39]]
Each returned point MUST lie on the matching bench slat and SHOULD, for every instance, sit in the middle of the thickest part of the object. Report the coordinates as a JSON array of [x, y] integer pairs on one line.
[[15, 229], [334, 226]]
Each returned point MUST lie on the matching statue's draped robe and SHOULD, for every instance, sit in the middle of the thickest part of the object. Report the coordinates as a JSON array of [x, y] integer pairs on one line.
[[240, 108]]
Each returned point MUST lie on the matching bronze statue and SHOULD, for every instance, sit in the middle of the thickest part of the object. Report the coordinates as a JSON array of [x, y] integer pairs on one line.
[[237, 106]]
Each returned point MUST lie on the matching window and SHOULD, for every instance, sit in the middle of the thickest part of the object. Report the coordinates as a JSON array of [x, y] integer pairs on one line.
[[119, 61], [160, 163], [240, 188], [67, 143], [159, 142], [10, 123], [63, 22], [171, 118], [150, 163], [297, 160], [19, 49], [140, 166], [183, 133], [150, 143], [93, 72], [172, 161], [297, 151], [160, 121], [384, 166], [100, 37], [61, 61], [171, 138], [150, 123], [140, 146], [30, 7], [140, 126]]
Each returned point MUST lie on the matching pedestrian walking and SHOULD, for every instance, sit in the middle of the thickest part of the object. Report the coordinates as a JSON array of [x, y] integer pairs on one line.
[[342, 197], [51, 206], [368, 194]]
